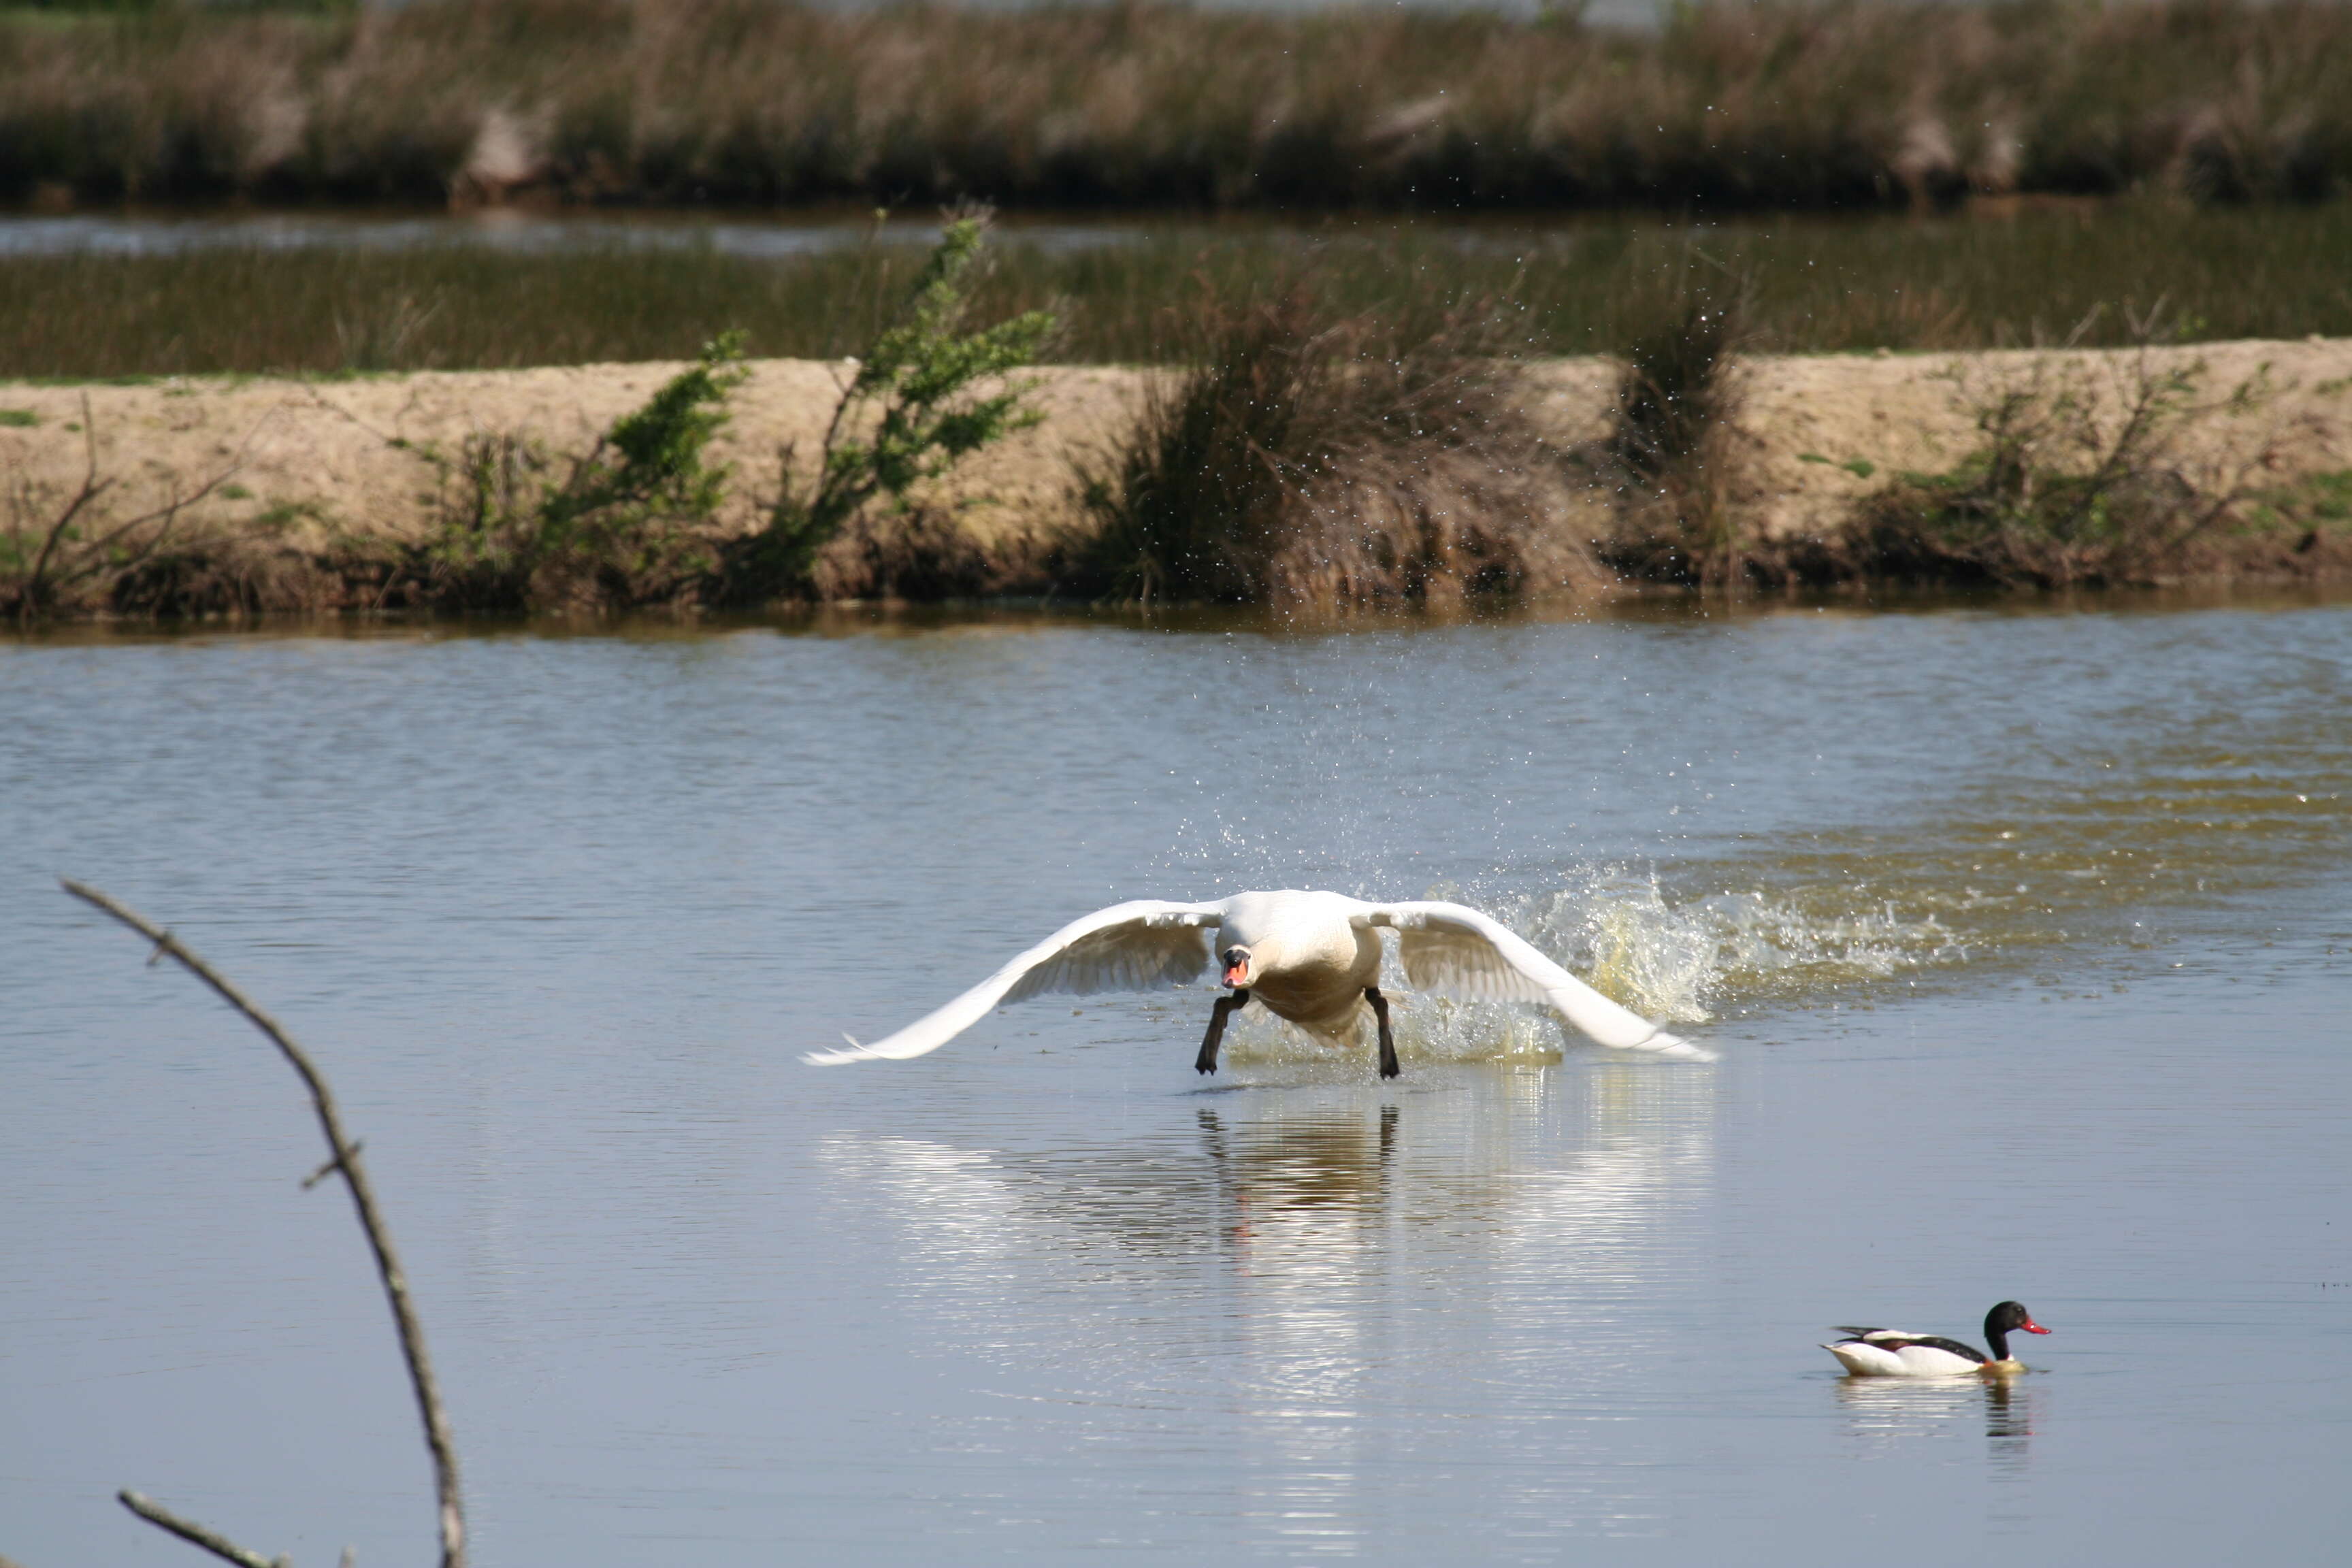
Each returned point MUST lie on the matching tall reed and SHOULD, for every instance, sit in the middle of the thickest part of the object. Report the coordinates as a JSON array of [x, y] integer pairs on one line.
[[1303, 457], [1674, 449]]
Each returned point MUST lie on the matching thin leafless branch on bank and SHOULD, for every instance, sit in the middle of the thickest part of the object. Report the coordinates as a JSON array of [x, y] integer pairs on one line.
[[344, 1156], [72, 566]]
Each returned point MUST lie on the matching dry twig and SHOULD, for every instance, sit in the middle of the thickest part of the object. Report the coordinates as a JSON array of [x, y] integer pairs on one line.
[[65, 561], [92, 487], [196, 1534], [346, 1157]]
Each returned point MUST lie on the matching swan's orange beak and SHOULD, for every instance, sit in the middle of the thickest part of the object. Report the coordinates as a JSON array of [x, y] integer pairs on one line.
[[2033, 1327], [1238, 973]]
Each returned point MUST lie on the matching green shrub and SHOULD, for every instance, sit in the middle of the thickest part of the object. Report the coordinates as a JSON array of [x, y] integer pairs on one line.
[[913, 410], [629, 522], [2083, 474]]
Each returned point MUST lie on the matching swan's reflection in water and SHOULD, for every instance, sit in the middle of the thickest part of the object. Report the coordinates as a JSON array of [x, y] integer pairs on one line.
[[1324, 1282], [1887, 1412]]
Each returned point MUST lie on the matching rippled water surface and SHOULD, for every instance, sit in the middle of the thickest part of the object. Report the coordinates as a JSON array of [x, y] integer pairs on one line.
[[2025, 936]]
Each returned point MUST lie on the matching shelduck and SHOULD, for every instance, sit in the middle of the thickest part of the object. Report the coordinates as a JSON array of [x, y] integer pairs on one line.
[[1891, 1353]]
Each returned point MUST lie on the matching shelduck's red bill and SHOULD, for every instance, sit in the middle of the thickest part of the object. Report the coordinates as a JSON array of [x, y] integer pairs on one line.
[[2033, 1327]]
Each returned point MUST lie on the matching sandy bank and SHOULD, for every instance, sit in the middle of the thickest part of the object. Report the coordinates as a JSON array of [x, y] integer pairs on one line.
[[1817, 433]]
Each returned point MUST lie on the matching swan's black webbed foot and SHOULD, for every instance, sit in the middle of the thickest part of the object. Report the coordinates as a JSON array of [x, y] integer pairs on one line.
[[1207, 1061], [1388, 1067]]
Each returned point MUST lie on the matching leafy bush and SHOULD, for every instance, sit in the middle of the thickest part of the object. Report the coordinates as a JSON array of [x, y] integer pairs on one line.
[[2085, 475], [911, 412], [629, 522]]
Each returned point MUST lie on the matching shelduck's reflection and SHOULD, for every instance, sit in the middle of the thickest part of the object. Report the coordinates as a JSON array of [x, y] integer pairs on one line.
[[1886, 1412]]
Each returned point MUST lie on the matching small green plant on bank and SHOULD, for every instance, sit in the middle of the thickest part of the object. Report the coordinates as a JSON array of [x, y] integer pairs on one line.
[[911, 412], [2327, 498], [2086, 474], [629, 522]]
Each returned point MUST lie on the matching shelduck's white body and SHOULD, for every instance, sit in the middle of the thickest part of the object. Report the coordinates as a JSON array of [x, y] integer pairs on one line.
[[1892, 1353], [1311, 957]]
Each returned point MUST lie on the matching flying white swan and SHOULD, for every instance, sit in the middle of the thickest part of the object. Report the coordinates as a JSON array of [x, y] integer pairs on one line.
[[1312, 958]]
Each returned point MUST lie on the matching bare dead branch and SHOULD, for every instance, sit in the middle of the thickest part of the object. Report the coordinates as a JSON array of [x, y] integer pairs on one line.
[[196, 1534], [346, 1157], [92, 487], [331, 1167], [93, 557], [54, 571]]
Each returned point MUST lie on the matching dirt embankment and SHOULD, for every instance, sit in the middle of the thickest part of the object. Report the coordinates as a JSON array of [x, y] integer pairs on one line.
[[1815, 434]]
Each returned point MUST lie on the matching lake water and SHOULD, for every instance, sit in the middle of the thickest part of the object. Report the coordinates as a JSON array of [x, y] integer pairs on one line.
[[2025, 935]]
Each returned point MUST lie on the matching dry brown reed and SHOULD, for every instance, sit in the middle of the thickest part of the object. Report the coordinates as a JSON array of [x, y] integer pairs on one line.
[[1306, 458], [1672, 451], [1787, 103]]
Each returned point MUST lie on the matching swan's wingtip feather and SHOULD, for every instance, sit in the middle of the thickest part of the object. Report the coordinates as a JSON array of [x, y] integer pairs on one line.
[[856, 1053], [1680, 1049]]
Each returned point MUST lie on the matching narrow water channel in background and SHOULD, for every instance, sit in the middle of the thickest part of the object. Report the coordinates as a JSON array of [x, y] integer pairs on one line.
[[512, 231], [2025, 935]]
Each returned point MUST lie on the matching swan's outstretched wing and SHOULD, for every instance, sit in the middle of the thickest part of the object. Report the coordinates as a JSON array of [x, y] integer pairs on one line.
[[1126, 947], [1454, 948]]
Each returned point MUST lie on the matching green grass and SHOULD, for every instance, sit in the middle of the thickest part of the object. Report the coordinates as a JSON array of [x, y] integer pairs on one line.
[[1566, 287]]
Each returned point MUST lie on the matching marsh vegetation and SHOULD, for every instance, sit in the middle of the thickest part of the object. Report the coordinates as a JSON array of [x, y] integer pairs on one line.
[[1791, 103], [631, 521], [2092, 472], [1363, 241]]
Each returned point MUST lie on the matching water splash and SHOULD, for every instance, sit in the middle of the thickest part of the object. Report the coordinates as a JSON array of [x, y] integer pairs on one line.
[[1675, 962], [1683, 959]]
